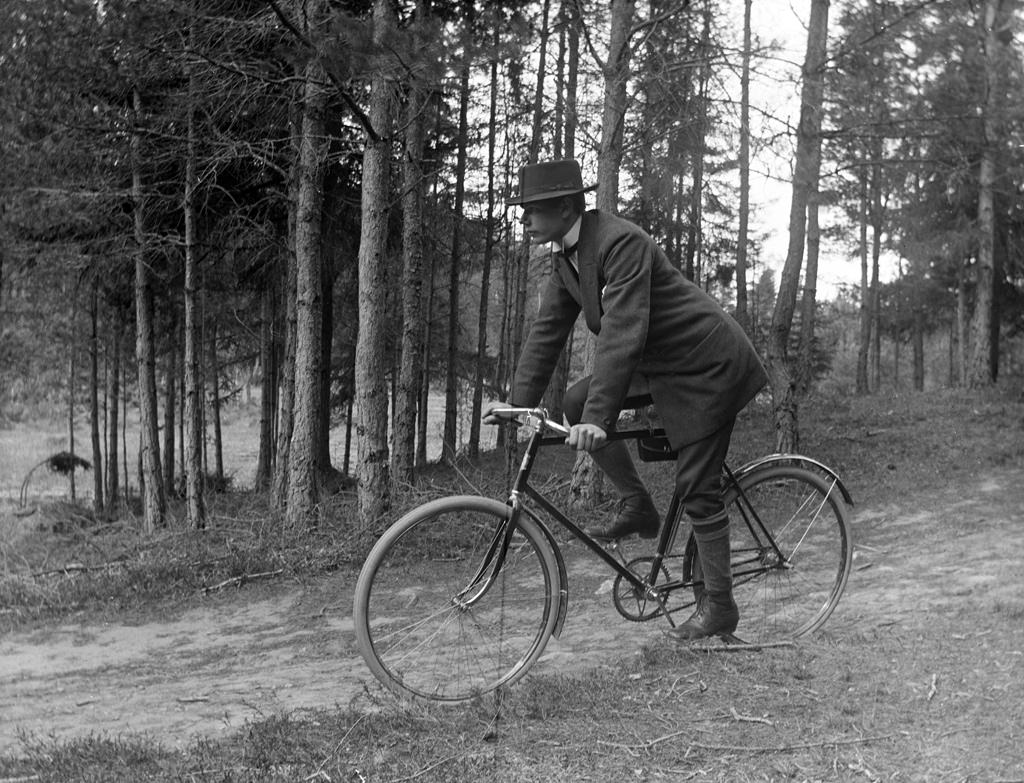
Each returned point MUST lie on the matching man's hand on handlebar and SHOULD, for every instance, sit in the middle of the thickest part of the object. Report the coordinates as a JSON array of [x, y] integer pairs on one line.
[[586, 437], [581, 437], [489, 415]]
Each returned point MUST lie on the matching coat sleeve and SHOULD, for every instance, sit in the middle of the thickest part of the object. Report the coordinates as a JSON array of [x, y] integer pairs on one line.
[[548, 334], [626, 268]]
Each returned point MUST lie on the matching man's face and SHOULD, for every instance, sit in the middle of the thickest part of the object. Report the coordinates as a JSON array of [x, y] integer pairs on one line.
[[546, 221]]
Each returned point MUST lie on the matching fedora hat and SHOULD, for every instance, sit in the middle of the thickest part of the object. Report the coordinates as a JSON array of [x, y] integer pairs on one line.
[[552, 179]]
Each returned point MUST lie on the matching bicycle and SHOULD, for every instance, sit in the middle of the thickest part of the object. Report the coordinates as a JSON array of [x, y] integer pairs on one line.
[[460, 596]]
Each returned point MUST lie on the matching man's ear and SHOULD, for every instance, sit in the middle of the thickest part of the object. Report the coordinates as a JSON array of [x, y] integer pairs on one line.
[[566, 208]]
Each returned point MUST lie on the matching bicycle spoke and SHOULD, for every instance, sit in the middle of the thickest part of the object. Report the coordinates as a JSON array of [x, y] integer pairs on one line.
[[477, 616], [790, 552]]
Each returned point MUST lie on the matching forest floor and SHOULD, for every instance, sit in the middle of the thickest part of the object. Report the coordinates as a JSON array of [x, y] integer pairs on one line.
[[924, 658]]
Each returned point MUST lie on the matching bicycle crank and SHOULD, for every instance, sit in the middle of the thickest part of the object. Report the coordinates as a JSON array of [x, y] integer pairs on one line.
[[635, 604]]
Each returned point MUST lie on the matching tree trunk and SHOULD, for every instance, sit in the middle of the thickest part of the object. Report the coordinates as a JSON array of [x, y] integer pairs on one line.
[[877, 227], [268, 384], [695, 234], [170, 412], [303, 475], [331, 256], [153, 505], [864, 342], [616, 72], [917, 336], [114, 406], [218, 434], [403, 460], [780, 370], [451, 385], [286, 399], [423, 382], [587, 481], [485, 272], [192, 462], [808, 303], [742, 316], [94, 400], [569, 63], [962, 324], [980, 371], [72, 373], [371, 397]]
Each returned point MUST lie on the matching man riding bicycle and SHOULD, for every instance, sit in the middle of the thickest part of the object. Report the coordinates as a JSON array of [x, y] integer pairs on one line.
[[659, 338]]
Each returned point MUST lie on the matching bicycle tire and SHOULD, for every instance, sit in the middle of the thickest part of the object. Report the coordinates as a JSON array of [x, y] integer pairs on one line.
[[421, 634], [785, 597]]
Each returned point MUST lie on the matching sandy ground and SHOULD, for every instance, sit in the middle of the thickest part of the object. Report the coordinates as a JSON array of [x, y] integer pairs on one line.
[[283, 647]]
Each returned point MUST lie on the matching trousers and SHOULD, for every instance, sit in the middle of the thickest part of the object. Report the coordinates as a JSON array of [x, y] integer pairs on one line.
[[698, 476]]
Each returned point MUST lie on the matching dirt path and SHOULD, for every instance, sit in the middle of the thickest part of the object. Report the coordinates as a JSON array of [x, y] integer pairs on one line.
[[271, 650], [285, 647]]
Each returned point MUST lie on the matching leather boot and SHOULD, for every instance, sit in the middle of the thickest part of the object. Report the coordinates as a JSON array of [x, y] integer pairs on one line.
[[716, 615], [637, 514], [716, 612]]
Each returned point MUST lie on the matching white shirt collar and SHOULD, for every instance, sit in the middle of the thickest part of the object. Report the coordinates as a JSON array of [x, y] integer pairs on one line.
[[573, 236]]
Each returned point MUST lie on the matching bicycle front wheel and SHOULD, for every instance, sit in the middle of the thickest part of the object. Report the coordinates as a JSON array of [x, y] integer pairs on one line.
[[791, 551], [444, 611]]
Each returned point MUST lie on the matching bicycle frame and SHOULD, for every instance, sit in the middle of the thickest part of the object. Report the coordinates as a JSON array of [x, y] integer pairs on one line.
[[644, 585]]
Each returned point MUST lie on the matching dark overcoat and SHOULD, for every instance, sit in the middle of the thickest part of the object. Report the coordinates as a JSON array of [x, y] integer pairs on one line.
[[649, 320]]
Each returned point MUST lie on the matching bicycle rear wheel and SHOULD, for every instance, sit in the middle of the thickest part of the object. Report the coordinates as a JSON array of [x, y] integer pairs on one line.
[[791, 552], [436, 619]]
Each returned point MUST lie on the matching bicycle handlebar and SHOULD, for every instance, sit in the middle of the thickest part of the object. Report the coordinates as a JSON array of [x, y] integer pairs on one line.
[[538, 417], [540, 414]]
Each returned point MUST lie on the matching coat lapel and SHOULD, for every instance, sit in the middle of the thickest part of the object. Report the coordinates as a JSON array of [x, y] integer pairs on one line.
[[570, 279], [586, 257]]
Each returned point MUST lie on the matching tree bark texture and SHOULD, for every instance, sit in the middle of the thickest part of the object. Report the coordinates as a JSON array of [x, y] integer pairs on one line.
[[286, 401], [488, 259], [94, 401], [451, 384], [170, 409], [403, 461], [980, 371], [268, 382], [192, 467], [303, 478], [371, 399], [153, 500], [742, 316], [114, 408], [809, 300], [780, 370]]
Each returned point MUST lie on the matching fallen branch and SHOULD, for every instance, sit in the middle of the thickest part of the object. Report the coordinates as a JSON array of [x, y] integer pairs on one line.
[[237, 580], [429, 768], [71, 568], [741, 646], [748, 718], [796, 746], [744, 748]]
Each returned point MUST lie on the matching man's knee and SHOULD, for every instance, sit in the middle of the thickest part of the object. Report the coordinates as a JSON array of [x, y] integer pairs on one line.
[[706, 509]]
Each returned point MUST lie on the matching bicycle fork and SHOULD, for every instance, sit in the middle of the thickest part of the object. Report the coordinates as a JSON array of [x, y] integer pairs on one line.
[[490, 566]]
